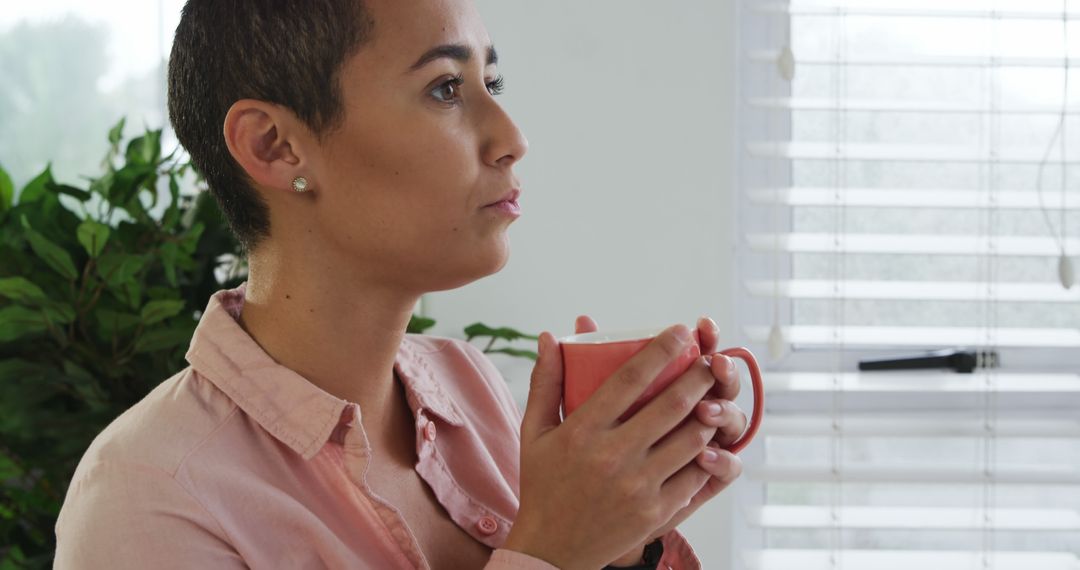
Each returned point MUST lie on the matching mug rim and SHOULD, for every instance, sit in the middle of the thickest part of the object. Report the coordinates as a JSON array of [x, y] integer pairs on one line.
[[612, 337]]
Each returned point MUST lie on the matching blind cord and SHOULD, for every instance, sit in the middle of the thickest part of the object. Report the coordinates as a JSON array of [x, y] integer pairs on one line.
[[1065, 271]]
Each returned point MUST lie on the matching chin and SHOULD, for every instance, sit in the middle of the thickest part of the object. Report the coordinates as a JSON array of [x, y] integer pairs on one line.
[[474, 268]]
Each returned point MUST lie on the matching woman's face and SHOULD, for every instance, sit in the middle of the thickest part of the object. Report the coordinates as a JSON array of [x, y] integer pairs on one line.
[[406, 178]]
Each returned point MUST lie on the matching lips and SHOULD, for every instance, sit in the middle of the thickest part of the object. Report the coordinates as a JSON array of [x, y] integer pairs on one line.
[[510, 196]]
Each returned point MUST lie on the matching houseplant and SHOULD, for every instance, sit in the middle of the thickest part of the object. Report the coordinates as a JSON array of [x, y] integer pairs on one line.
[[100, 291]]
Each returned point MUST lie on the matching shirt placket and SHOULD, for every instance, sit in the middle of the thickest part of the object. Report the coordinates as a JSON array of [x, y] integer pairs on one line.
[[468, 514], [357, 457]]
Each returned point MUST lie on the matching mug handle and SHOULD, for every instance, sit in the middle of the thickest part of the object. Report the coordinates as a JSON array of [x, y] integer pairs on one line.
[[759, 396]]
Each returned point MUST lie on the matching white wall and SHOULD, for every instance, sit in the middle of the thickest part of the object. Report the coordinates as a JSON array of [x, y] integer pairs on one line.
[[628, 185]]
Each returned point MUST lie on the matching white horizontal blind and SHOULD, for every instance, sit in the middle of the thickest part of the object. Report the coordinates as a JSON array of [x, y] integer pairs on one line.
[[892, 154]]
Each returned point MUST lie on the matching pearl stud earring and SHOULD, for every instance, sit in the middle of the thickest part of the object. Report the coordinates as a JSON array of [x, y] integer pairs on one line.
[[300, 184]]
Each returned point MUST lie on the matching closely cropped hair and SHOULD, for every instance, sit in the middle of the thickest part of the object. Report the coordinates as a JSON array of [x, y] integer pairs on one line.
[[286, 52]]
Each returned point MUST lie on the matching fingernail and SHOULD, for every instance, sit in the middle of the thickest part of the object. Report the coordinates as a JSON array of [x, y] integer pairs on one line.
[[730, 365], [709, 455], [682, 333], [707, 359], [714, 409]]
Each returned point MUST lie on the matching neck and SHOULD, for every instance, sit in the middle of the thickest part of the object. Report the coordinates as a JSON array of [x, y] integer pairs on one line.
[[335, 329]]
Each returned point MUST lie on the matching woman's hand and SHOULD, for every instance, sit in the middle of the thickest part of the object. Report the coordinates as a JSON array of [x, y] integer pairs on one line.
[[718, 472], [593, 489]]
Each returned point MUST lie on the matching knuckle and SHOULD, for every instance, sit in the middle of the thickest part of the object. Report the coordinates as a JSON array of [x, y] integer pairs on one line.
[[577, 437], [653, 514], [631, 488], [680, 403], [670, 346], [606, 463], [733, 469], [633, 376]]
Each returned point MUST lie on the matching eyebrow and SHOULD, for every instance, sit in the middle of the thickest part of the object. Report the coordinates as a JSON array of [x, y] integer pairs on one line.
[[457, 52]]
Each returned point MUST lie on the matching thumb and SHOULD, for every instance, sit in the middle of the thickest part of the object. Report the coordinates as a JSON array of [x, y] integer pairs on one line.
[[545, 390]]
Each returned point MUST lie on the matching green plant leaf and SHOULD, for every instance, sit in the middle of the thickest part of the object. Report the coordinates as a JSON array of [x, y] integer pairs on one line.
[[172, 213], [7, 191], [513, 352], [21, 290], [190, 241], [480, 329], [157, 311], [17, 322], [113, 323], [127, 181], [417, 325], [54, 255], [145, 149], [59, 312], [93, 235], [80, 194], [118, 268], [116, 132], [35, 189]]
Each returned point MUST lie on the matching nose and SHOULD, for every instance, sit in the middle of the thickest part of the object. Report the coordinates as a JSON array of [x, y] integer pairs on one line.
[[505, 144]]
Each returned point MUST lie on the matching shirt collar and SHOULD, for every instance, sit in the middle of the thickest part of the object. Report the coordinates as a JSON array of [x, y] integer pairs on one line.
[[295, 411]]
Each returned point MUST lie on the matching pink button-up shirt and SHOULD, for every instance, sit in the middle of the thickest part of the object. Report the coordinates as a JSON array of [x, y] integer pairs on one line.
[[238, 461]]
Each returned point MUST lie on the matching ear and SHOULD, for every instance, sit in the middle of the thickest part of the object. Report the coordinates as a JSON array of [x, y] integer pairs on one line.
[[266, 140]]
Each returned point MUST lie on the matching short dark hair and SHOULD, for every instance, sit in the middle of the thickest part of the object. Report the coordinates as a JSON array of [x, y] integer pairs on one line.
[[286, 52]]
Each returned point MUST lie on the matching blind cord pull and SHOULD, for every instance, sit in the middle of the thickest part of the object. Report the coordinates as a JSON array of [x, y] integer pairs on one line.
[[960, 361]]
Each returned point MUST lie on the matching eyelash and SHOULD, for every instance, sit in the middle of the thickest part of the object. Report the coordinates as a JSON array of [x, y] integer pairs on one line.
[[495, 87]]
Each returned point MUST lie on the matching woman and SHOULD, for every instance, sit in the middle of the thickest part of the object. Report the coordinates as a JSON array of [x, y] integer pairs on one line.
[[360, 157]]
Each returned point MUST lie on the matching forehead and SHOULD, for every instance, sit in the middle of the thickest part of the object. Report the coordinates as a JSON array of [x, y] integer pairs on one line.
[[405, 29]]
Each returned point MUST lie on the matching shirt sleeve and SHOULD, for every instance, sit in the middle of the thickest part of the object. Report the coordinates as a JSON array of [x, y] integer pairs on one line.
[[503, 559], [678, 554], [122, 516]]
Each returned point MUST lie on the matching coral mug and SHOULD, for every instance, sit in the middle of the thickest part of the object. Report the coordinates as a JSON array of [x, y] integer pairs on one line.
[[591, 358]]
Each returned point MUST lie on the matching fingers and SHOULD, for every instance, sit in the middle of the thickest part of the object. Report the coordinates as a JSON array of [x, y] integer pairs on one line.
[[680, 489], [615, 396], [727, 377], [730, 421], [678, 448], [585, 324], [671, 406], [724, 468], [710, 335], [545, 390]]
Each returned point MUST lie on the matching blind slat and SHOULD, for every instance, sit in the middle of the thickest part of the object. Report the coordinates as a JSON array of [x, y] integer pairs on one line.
[[1040, 474], [927, 337], [916, 60], [884, 152], [930, 518], [912, 198], [944, 10], [914, 290], [805, 559], [921, 382], [920, 425], [903, 106], [942, 244]]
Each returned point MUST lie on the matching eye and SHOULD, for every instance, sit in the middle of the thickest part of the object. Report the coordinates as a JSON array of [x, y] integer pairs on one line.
[[495, 86], [447, 91]]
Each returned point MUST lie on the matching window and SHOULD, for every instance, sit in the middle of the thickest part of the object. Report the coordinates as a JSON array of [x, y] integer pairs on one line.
[[908, 183], [71, 71]]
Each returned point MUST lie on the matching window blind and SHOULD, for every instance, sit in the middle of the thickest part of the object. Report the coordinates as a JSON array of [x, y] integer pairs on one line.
[[907, 183]]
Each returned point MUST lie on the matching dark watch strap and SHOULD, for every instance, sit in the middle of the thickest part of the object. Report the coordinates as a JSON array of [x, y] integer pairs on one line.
[[653, 552]]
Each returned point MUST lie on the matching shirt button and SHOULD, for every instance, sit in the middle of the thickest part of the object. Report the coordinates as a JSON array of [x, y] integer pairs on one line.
[[429, 431], [487, 525]]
